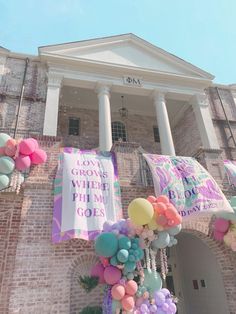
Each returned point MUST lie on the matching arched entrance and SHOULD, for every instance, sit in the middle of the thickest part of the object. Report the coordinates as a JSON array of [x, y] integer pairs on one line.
[[201, 289]]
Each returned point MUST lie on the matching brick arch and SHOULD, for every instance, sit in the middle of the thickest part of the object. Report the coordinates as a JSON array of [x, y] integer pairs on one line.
[[81, 266], [226, 259]]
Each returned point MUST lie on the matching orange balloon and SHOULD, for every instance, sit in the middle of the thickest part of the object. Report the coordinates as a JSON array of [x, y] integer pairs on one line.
[[127, 303]]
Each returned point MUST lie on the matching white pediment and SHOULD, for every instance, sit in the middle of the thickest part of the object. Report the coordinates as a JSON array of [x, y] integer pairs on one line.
[[127, 51]]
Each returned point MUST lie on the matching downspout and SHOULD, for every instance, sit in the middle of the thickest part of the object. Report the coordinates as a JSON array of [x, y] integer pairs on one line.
[[21, 97], [226, 118]]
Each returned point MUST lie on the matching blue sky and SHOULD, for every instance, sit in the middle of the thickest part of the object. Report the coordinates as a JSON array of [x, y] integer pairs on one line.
[[202, 32]]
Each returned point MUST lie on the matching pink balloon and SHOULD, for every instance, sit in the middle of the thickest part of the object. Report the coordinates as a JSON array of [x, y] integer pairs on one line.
[[221, 225], [112, 275], [118, 292], [131, 287], [39, 156], [171, 212], [2, 151], [163, 199], [151, 199], [27, 146], [10, 151], [104, 261], [98, 271], [160, 208], [22, 162], [139, 301], [161, 220], [127, 303], [218, 236]]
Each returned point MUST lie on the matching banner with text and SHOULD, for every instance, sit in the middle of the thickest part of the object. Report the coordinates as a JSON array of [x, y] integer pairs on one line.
[[230, 168], [86, 194], [189, 186]]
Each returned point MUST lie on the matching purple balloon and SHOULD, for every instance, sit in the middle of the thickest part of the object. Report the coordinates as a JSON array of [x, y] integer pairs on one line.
[[107, 226], [172, 307], [153, 308], [166, 292], [144, 308], [165, 307], [159, 298], [159, 311]]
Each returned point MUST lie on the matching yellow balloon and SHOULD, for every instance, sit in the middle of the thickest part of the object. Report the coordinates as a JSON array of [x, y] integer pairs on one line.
[[152, 225], [140, 211]]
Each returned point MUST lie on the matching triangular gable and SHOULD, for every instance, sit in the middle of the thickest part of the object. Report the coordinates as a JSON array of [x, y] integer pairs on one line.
[[127, 51]]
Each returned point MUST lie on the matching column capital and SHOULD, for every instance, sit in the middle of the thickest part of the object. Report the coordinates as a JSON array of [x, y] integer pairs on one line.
[[199, 99], [158, 95], [54, 80], [103, 89]]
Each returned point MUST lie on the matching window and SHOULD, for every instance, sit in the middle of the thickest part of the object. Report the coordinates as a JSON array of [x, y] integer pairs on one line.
[[118, 131], [73, 126], [156, 134]]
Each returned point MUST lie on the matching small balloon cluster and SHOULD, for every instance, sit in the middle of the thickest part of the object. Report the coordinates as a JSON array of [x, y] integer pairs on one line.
[[17, 156], [128, 249], [224, 226]]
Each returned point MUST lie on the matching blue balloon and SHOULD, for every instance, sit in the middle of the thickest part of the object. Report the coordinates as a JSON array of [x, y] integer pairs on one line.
[[124, 243], [122, 256], [162, 241]]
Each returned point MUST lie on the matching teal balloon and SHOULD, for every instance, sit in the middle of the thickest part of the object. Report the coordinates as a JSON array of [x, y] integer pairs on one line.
[[129, 267], [124, 243], [131, 258], [140, 253], [152, 281], [3, 139], [162, 241], [115, 305], [7, 165], [114, 261], [106, 244], [4, 181], [122, 256], [134, 246], [174, 230], [130, 276]]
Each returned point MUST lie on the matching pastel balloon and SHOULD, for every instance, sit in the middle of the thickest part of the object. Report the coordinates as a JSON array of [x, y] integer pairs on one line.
[[127, 303], [221, 225], [98, 271], [152, 225], [140, 211], [27, 146], [171, 212], [106, 244], [118, 292], [161, 220], [112, 275], [114, 261], [152, 281], [163, 199], [162, 241], [7, 165], [22, 162], [159, 298], [4, 181], [160, 208], [2, 151], [173, 308], [10, 148], [129, 267], [131, 287], [124, 243], [3, 139], [123, 255], [38, 157], [151, 199], [174, 230], [115, 305]]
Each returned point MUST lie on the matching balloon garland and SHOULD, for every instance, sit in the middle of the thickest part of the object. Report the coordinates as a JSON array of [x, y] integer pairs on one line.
[[17, 156], [128, 250]]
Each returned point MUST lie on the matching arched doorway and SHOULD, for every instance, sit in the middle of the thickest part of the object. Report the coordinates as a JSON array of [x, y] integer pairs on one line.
[[197, 277]]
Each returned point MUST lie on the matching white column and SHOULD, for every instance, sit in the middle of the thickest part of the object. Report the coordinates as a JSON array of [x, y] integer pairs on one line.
[[105, 136], [205, 125], [167, 144], [52, 105]]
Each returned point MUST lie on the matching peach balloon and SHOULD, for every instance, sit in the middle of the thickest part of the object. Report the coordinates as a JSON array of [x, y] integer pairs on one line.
[[151, 199], [127, 303], [161, 220], [163, 199], [131, 287], [118, 292], [160, 208], [2, 151]]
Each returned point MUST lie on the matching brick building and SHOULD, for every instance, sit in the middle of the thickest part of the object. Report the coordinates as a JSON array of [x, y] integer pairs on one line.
[[124, 94]]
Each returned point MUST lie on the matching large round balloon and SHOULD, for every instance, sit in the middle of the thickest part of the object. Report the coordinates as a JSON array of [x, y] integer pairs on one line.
[[106, 244], [112, 275], [118, 292], [7, 165], [3, 139], [162, 241], [152, 281], [4, 181], [27, 146], [140, 211], [174, 230], [131, 287], [124, 243], [38, 157], [22, 162]]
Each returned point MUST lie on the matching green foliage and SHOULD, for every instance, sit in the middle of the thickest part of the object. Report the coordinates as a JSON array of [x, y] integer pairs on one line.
[[88, 283], [91, 310]]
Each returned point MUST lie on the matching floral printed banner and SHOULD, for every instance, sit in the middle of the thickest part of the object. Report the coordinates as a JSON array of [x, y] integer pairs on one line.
[[188, 185], [230, 168], [86, 194]]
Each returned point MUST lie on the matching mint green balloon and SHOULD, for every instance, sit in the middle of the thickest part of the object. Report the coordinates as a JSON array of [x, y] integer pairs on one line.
[[7, 165], [152, 280], [4, 181], [3, 139]]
